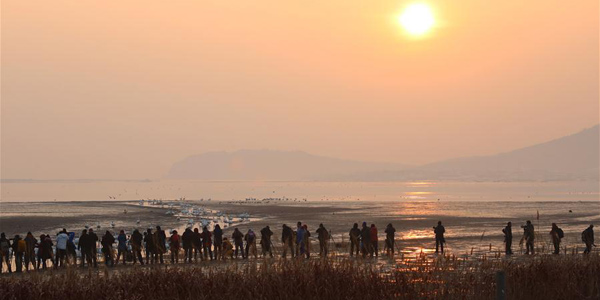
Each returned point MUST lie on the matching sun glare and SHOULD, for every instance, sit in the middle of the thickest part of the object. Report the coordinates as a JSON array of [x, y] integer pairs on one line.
[[417, 19]]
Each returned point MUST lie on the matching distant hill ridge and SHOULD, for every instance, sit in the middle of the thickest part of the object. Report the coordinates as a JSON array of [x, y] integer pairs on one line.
[[574, 157]]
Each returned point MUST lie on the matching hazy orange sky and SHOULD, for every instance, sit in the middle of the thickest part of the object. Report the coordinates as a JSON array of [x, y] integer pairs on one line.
[[122, 89]]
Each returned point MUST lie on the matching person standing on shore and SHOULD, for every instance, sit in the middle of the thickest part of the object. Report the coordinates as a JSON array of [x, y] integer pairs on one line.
[[238, 240], [218, 236], [5, 252], [374, 241], [197, 244], [508, 238], [529, 236], [107, 248], [175, 245], [286, 239], [306, 240], [136, 246], [299, 240], [122, 247], [83, 245], [439, 231], [150, 245], [587, 236], [61, 248], [354, 240], [323, 237], [365, 237], [187, 241], [556, 234], [161, 240], [207, 243], [93, 246], [265, 241], [30, 243], [250, 239], [390, 232], [71, 249], [19, 246]]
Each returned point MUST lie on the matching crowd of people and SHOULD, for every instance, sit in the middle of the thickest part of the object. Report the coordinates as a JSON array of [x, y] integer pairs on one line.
[[29, 252]]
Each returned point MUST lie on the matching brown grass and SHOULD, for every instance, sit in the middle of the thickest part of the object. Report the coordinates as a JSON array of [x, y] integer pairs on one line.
[[541, 277]]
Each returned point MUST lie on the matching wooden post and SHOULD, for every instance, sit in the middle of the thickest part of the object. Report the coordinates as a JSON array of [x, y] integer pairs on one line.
[[500, 285]]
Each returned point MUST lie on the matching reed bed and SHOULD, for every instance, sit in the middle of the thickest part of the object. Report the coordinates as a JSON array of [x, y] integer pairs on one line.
[[538, 277]]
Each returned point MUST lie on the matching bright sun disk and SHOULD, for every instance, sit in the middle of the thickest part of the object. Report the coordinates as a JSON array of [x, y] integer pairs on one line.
[[417, 19]]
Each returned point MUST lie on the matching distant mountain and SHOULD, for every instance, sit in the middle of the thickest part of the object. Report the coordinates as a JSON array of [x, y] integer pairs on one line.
[[271, 165], [574, 157]]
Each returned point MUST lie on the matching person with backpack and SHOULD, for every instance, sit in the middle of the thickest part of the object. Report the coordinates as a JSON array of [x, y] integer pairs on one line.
[[207, 243], [174, 244], [18, 246], [287, 237], [354, 239], [587, 236], [374, 241], [218, 242], [238, 240], [30, 243], [107, 248], [508, 238], [250, 239], [265, 241], [5, 252], [136, 241], [390, 232], [93, 243], [556, 234], [439, 231], [323, 237], [122, 247]]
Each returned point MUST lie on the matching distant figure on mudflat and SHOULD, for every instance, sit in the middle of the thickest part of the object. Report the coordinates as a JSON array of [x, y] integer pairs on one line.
[[390, 231], [354, 239], [508, 238], [529, 237], [439, 231], [587, 236], [556, 234]]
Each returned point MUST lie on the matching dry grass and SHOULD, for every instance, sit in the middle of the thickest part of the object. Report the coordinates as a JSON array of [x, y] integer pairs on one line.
[[541, 277]]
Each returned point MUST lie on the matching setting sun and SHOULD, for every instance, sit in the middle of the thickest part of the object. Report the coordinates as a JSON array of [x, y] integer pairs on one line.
[[417, 19]]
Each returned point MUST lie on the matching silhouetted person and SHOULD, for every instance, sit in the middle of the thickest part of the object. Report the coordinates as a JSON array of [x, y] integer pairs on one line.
[[18, 247], [93, 239], [365, 237], [287, 236], [30, 243], [107, 248], [218, 236], [175, 245], [84, 246], [323, 237], [44, 251], [161, 241], [508, 238], [529, 236], [354, 240], [556, 234], [136, 246], [207, 243], [5, 252], [265, 241], [439, 231], [238, 240], [197, 244], [150, 246], [300, 246], [187, 240], [122, 247], [587, 236], [390, 232], [250, 239], [374, 240]]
